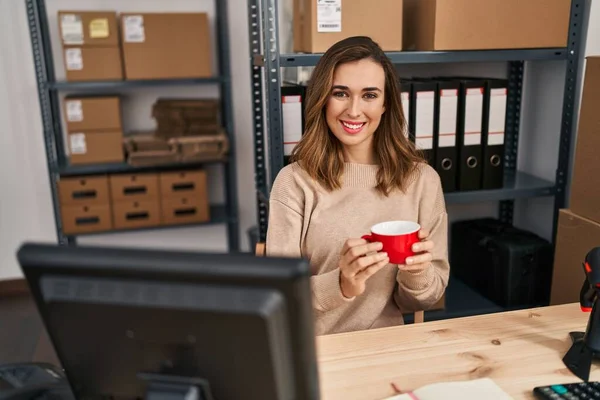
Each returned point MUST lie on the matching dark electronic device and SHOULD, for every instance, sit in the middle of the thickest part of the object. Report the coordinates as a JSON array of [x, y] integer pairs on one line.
[[510, 266], [133, 323], [28, 380], [572, 391], [586, 345]]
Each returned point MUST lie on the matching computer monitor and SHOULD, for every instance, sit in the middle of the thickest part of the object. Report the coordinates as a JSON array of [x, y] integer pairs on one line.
[[135, 323]]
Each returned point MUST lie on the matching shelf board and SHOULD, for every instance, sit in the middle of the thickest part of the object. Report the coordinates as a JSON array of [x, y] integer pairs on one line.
[[427, 57], [126, 84], [99, 169], [521, 185], [218, 215]]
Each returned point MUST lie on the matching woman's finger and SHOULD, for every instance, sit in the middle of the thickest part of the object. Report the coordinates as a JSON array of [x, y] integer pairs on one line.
[[367, 261], [423, 234], [422, 246], [419, 259]]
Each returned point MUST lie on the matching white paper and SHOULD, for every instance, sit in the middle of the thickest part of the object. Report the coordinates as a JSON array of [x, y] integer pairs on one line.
[[448, 116], [134, 29], [77, 143], [74, 111], [329, 15], [406, 109], [72, 29], [497, 117], [291, 108], [473, 116], [476, 389], [74, 59], [424, 121]]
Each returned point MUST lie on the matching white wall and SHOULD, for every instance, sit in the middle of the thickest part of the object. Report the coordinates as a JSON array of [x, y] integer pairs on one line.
[[25, 200]]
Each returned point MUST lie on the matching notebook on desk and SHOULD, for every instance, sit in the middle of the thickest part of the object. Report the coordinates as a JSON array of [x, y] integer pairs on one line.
[[477, 389]]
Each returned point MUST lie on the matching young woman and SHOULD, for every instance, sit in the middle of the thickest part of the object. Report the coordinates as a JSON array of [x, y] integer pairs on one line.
[[353, 168]]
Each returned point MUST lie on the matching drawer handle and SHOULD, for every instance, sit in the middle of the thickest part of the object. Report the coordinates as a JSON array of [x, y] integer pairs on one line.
[[87, 221], [135, 190], [136, 216], [84, 194], [183, 186], [182, 212]]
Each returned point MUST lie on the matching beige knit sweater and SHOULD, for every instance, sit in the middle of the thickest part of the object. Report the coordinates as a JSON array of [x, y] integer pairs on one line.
[[305, 220]]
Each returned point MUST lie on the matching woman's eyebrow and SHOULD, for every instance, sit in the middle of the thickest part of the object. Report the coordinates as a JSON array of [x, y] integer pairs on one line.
[[367, 89]]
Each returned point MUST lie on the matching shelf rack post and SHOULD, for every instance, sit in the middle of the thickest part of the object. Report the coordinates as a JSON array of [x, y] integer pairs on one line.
[[231, 196], [44, 73], [569, 112]]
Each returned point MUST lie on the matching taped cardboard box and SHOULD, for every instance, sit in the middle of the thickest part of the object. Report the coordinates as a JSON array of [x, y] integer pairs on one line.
[[201, 148], [90, 113], [483, 25], [182, 117], [318, 25], [585, 182], [166, 45], [93, 63], [95, 147]]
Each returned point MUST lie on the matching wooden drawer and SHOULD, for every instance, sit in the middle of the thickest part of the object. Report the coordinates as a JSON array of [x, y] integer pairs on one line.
[[133, 187], [136, 214], [184, 210], [86, 218], [183, 183], [83, 190]]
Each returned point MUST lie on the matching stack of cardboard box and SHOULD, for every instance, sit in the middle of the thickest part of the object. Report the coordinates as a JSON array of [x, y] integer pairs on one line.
[[579, 226], [94, 129], [432, 24], [131, 201], [147, 45], [91, 49]]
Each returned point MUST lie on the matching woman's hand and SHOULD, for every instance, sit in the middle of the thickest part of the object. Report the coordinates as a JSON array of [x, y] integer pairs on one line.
[[422, 259], [357, 264]]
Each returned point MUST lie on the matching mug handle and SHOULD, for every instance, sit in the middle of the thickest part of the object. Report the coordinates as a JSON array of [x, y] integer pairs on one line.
[[368, 238]]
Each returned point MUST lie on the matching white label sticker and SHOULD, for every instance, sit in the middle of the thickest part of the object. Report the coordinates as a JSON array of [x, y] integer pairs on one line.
[[134, 29], [74, 59], [74, 111], [329, 15], [72, 29], [448, 117], [406, 109], [424, 121], [497, 117], [473, 116], [77, 143], [291, 109]]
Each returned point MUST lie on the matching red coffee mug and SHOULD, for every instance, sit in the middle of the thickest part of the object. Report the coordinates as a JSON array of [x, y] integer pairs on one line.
[[397, 238]]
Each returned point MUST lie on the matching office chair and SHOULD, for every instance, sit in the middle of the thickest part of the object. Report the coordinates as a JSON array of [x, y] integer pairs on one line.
[[261, 251]]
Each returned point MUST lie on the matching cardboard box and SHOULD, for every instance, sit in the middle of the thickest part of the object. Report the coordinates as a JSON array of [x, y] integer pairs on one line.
[[93, 63], [136, 214], [86, 218], [317, 27], [134, 187], [489, 24], [183, 184], [575, 237], [87, 190], [585, 180], [166, 45], [185, 210], [92, 113], [95, 147], [88, 28]]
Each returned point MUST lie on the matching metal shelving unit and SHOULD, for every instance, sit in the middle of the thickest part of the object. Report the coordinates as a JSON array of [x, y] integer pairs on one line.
[[49, 88], [266, 62]]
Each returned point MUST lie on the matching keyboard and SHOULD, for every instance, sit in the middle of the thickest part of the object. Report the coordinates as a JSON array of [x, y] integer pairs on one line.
[[571, 391], [27, 380]]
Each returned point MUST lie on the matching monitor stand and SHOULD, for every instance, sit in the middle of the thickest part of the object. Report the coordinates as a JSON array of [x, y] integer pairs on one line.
[[173, 387]]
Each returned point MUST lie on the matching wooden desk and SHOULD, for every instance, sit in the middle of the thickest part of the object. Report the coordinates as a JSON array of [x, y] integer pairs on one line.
[[518, 350]]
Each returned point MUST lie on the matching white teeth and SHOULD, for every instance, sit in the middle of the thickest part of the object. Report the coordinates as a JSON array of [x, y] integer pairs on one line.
[[352, 126]]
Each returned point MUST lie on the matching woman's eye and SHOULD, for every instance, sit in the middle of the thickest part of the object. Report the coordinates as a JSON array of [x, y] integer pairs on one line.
[[370, 95], [339, 94]]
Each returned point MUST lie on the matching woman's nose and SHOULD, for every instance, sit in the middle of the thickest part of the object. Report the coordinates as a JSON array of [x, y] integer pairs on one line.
[[354, 109]]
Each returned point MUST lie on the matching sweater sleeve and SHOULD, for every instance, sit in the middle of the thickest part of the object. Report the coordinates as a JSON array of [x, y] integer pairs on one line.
[[284, 239], [421, 290]]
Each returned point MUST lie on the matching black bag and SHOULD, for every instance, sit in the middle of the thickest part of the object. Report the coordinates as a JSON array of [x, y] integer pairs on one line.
[[510, 266]]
